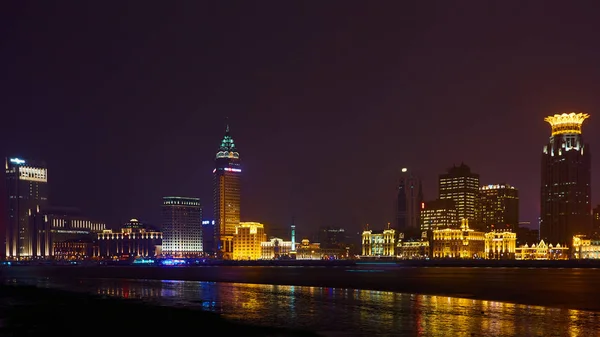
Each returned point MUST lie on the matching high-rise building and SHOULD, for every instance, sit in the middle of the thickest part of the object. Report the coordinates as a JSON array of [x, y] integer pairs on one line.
[[226, 195], [499, 207], [182, 227], [27, 192], [462, 186], [247, 240], [438, 214], [409, 199], [566, 208], [208, 235], [596, 221]]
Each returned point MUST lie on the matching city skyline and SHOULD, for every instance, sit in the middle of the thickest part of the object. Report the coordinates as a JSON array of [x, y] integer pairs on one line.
[[318, 132]]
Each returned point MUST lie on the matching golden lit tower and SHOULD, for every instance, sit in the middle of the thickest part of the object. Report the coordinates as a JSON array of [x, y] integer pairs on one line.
[[566, 175], [226, 195]]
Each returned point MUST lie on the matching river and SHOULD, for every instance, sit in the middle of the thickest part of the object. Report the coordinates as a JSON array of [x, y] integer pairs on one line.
[[348, 311]]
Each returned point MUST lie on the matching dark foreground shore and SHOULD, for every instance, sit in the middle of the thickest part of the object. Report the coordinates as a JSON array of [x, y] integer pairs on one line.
[[31, 311]]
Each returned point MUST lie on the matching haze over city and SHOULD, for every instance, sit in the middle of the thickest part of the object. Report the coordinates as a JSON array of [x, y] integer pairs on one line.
[[128, 104]]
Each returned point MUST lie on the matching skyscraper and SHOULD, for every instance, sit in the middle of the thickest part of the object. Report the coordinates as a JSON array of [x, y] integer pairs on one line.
[[499, 207], [566, 208], [462, 186], [408, 205], [182, 227], [226, 195], [27, 192]]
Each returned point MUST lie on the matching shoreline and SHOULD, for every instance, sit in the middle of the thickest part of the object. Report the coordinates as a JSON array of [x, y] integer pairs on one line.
[[33, 311], [550, 287]]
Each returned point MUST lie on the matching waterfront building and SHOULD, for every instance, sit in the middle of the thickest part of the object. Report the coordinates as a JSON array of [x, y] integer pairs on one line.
[[500, 245], [379, 243], [499, 207], [182, 227], [208, 236], [438, 214], [27, 193], [408, 203], [247, 240], [566, 208], [462, 186], [413, 250], [133, 240], [585, 248], [277, 248], [57, 225], [462, 243], [227, 188], [308, 250], [542, 251]]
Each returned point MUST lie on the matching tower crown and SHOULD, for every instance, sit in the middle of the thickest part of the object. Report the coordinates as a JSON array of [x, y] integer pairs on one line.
[[227, 148], [566, 123]]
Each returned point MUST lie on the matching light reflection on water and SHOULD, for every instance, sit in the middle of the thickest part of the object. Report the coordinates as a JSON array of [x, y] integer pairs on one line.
[[352, 312]]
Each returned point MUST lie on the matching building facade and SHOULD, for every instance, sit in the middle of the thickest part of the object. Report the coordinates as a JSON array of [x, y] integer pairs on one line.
[[247, 240], [182, 227], [438, 214], [542, 251], [500, 245], [499, 207], [132, 241], [566, 208], [208, 236], [227, 189], [408, 203], [57, 225], [27, 193], [584, 248], [462, 186], [462, 243], [277, 248], [379, 243]]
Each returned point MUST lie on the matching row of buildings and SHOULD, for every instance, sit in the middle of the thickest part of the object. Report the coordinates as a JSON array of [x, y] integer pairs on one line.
[[566, 205], [467, 243]]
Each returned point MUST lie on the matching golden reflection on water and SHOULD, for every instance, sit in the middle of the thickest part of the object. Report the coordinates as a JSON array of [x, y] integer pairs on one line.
[[370, 312]]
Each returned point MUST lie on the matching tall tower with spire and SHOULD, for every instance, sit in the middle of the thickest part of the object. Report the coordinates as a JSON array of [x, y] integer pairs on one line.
[[566, 207], [226, 195]]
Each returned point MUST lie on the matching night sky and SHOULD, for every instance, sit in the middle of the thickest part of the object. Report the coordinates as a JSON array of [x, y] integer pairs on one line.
[[327, 101]]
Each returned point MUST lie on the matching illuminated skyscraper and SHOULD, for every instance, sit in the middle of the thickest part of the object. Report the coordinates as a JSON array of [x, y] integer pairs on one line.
[[226, 195], [408, 206], [462, 186], [566, 208], [182, 227], [438, 214], [499, 207], [247, 238], [27, 187]]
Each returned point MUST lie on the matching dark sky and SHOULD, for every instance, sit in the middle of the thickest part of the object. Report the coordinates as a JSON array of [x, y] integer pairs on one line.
[[327, 100]]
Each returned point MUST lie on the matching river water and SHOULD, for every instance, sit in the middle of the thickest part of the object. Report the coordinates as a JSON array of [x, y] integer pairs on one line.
[[342, 312]]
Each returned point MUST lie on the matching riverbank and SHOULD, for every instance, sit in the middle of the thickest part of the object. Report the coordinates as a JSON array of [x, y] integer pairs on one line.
[[31, 311], [552, 287]]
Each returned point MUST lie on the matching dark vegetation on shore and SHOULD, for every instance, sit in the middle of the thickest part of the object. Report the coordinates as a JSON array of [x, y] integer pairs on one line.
[[31, 311]]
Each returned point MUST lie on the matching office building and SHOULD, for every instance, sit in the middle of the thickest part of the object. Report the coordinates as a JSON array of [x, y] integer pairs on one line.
[[226, 195], [438, 214], [182, 227], [27, 193], [247, 240], [566, 208], [63, 233], [132, 241], [499, 207], [408, 205], [379, 242], [208, 236], [462, 186], [461, 243]]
